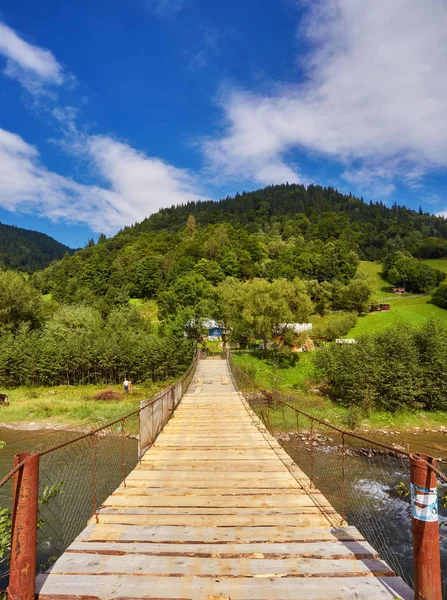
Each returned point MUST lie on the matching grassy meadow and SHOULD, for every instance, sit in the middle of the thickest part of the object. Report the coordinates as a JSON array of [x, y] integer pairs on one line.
[[407, 308], [71, 405]]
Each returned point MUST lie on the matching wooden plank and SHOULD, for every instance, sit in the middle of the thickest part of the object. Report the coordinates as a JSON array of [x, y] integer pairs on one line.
[[248, 466], [252, 501], [315, 519], [132, 489], [328, 550], [186, 534], [165, 566], [112, 587], [220, 455], [146, 473]]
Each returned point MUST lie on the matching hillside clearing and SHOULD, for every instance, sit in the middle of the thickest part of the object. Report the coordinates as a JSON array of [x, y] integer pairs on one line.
[[407, 308]]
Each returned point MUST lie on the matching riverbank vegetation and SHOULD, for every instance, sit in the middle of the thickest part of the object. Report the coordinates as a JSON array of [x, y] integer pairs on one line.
[[308, 382]]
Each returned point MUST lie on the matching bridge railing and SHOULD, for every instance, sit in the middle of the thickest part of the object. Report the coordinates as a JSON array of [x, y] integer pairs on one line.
[[392, 496], [55, 492]]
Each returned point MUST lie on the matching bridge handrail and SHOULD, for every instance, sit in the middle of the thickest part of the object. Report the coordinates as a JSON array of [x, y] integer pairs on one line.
[[418, 473], [32, 470]]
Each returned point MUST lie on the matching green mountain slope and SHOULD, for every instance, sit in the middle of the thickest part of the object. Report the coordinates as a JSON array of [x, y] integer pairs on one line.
[[26, 250], [283, 231]]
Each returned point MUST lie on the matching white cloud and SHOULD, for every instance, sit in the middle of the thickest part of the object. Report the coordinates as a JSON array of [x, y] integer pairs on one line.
[[146, 183], [164, 7], [31, 65], [375, 94], [138, 185]]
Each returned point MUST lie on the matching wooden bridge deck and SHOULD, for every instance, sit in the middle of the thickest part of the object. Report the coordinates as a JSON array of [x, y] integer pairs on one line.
[[218, 510]]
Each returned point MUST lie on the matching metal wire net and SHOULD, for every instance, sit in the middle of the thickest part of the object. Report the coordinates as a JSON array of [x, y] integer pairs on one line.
[[365, 480], [77, 476]]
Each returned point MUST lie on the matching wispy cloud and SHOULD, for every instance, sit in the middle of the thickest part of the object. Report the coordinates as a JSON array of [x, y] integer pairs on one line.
[[376, 91], [136, 184], [165, 7], [32, 66]]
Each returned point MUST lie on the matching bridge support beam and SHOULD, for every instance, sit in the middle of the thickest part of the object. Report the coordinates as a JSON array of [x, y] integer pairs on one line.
[[22, 580], [425, 529]]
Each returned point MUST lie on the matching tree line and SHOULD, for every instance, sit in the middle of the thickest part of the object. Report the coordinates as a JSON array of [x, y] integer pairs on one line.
[[44, 343]]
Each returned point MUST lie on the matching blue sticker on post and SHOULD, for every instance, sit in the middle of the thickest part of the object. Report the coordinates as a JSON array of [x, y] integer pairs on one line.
[[424, 503]]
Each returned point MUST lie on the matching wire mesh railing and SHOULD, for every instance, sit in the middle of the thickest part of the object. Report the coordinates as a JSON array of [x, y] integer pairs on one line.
[[369, 483], [57, 491]]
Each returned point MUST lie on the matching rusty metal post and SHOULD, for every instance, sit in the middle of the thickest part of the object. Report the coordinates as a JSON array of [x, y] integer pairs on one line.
[[123, 464], [343, 451], [311, 440], [93, 481], [425, 529], [22, 578]]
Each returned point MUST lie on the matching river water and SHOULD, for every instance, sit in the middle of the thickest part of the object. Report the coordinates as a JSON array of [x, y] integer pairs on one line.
[[374, 493], [80, 476], [375, 488]]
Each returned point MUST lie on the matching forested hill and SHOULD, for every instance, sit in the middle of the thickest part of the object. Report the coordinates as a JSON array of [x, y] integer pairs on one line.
[[26, 250], [315, 212], [281, 232]]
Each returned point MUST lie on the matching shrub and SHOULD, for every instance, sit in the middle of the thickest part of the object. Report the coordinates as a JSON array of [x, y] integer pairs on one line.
[[402, 367]]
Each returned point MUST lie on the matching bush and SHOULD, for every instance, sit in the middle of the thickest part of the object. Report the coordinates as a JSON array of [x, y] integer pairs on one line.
[[335, 325], [440, 296], [402, 367]]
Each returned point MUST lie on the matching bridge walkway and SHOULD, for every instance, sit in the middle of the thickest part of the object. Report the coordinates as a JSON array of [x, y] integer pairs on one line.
[[218, 510]]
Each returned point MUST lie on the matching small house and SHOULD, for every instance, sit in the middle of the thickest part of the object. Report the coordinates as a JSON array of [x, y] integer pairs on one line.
[[398, 290], [213, 329], [384, 307]]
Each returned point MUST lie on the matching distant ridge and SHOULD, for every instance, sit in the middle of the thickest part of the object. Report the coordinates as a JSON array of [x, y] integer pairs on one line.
[[27, 250]]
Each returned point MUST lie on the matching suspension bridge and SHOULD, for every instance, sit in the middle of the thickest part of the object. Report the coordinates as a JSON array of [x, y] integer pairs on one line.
[[214, 509]]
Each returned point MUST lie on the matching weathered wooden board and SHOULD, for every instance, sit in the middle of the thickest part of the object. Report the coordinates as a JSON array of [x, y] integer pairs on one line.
[[129, 587], [253, 501], [74, 562], [314, 519], [205, 535], [329, 550], [217, 509]]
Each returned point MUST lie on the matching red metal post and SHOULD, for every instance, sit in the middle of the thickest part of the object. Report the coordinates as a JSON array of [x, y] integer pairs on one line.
[[123, 464], [343, 451], [425, 529], [311, 440], [22, 579], [93, 482]]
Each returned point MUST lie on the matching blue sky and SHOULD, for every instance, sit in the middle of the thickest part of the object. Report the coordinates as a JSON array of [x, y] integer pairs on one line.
[[111, 110]]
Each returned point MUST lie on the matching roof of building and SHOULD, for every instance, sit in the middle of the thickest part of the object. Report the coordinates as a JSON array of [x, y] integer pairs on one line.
[[296, 327]]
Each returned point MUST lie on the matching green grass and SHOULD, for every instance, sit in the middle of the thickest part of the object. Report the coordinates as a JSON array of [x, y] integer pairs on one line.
[[404, 309], [71, 405], [374, 272], [147, 308], [436, 263]]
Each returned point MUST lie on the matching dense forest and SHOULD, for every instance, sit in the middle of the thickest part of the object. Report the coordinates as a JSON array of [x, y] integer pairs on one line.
[[28, 251], [284, 231]]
